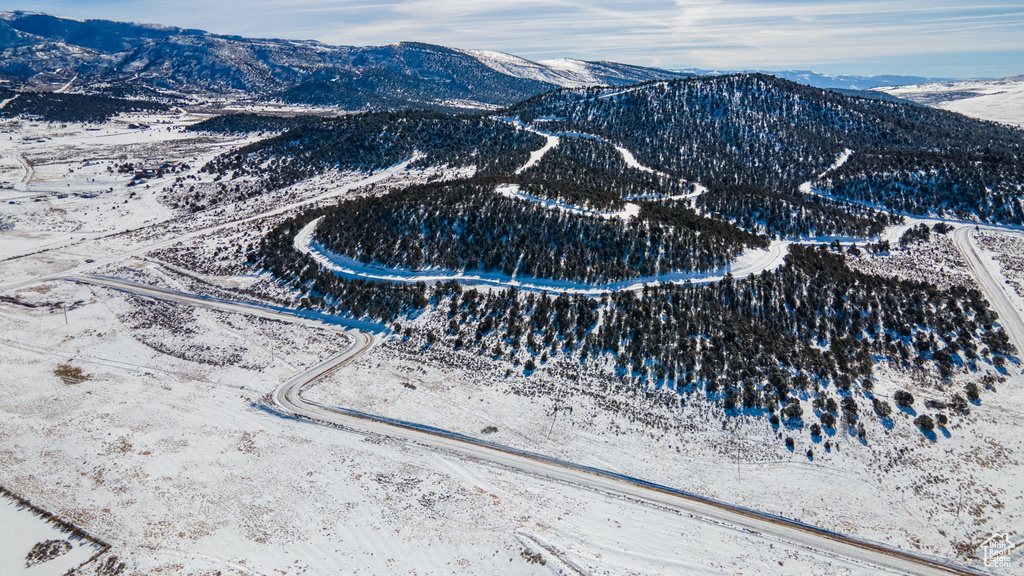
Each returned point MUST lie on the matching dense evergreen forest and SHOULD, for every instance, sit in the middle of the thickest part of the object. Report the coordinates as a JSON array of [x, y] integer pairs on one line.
[[377, 140], [791, 214], [248, 122], [986, 185], [755, 343], [590, 173], [55, 107], [760, 131], [465, 225]]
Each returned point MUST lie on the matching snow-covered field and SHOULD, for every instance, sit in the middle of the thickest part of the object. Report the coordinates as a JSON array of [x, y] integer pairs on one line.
[[175, 463], [21, 531], [62, 184], [163, 444], [997, 100]]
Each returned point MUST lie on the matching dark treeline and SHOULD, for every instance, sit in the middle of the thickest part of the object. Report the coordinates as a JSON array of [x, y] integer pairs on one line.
[[247, 122], [987, 184], [592, 173], [54, 107], [465, 225], [320, 288], [791, 214], [377, 140], [758, 130]]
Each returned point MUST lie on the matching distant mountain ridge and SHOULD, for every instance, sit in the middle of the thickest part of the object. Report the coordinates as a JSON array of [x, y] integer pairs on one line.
[[44, 50]]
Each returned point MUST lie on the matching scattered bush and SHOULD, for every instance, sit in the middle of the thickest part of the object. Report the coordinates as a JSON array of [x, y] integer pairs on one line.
[[70, 374], [792, 409], [925, 422], [882, 408], [828, 420], [849, 404], [960, 404], [973, 393], [533, 557], [903, 398], [46, 551]]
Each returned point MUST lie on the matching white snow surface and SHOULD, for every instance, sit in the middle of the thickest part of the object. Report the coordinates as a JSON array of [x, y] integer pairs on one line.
[[21, 529], [173, 462], [999, 100]]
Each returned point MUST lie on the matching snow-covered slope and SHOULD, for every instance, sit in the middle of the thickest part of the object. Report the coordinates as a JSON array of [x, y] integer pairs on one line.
[[569, 72], [998, 100], [46, 52]]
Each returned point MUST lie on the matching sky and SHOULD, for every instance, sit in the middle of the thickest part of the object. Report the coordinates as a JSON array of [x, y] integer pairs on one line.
[[933, 38]]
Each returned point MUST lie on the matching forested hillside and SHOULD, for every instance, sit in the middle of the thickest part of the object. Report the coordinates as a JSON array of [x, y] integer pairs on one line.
[[57, 107], [377, 140], [986, 184], [467, 226], [762, 343], [761, 131]]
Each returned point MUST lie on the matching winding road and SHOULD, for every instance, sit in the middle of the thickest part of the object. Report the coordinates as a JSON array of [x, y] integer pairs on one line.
[[749, 263], [288, 399], [993, 289]]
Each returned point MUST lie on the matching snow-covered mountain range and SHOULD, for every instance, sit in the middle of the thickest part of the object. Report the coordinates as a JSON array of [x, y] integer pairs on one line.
[[48, 51]]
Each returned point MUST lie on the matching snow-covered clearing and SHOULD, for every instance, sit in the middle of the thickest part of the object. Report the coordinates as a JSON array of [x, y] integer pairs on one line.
[[180, 470], [999, 100], [21, 530], [68, 188]]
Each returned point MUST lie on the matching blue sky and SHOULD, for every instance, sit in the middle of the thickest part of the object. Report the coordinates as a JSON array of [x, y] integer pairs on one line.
[[937, 38]]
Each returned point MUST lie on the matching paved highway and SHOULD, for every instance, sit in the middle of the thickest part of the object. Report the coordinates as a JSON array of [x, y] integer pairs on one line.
[[993, 289], [288, 399]]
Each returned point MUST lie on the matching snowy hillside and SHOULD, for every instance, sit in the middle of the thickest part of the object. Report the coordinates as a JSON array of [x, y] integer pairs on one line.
[[117, 59], [997, 100]]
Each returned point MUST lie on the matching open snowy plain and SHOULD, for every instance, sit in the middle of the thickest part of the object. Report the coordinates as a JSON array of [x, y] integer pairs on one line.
[[149, 422]]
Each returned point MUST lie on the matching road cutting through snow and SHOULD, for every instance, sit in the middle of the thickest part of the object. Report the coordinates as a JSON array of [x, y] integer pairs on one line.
[[288, 399]]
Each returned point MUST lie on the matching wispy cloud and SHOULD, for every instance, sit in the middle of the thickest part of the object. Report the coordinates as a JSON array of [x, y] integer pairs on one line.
[[928, 37]]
